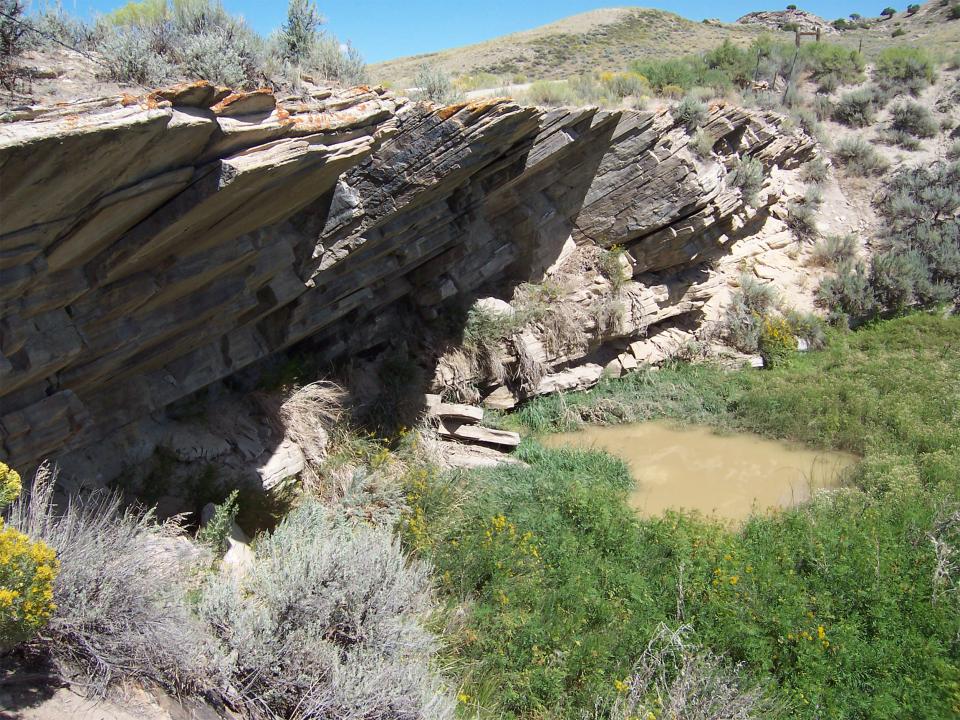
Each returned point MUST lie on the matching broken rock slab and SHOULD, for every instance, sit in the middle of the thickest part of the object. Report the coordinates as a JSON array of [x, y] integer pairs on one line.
[[478, 434], [457, 455], [456, 412]]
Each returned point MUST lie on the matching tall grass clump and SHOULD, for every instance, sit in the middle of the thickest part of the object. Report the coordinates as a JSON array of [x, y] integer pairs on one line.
[[329, 622], [121, 609]]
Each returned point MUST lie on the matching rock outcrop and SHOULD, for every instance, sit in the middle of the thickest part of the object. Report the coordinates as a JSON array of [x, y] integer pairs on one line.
[[152, 246], [777, 19]]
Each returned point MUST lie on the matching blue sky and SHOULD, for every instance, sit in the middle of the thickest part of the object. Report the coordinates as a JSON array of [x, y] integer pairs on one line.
[[385, 29]]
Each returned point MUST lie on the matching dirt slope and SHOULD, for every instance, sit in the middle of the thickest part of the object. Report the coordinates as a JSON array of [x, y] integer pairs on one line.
[[610, 39]]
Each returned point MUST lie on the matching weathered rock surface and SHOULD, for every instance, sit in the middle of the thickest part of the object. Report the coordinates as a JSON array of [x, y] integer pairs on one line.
[[150, 247], [776, 19]]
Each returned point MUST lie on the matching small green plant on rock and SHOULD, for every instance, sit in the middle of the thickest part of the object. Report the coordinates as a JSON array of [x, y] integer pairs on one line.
[[747, 175], [689, 112], [216, 531]]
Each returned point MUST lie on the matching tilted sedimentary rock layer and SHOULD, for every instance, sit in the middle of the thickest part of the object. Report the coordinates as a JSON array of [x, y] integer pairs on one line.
[[152, 246]]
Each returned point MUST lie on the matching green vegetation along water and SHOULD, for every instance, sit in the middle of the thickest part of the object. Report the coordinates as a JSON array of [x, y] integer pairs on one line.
[[838, 608]]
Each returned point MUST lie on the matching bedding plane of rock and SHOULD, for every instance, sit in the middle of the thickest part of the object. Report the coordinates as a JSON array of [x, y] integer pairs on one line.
[[152, 246]]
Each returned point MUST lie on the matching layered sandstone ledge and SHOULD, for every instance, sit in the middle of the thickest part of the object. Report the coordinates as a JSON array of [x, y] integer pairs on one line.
[[152, 246]]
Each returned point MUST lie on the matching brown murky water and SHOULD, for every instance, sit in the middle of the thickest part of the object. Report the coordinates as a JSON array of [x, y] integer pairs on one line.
[[696, 468]]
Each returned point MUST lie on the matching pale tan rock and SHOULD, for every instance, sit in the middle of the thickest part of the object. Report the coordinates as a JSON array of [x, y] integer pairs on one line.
[[478, 434]]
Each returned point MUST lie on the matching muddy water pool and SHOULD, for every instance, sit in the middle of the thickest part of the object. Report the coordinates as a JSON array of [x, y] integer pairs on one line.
[[697, 468]]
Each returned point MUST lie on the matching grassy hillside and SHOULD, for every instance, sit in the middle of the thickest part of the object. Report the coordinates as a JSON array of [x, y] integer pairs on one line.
[[610, 39]]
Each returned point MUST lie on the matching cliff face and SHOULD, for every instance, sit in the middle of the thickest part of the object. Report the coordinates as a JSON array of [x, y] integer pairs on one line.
[[152, 246]]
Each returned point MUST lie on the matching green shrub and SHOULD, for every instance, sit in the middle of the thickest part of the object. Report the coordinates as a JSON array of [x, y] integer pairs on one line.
[[833, 63], [859, 157], [702, 144], [747, 176], [807, 326], [913, 9], [954, 12], [899, 32], [622, 85], [815, 171], [834, 251], [690, 113], [743, 319], [905, 68], [434, 84], [914, 119], [12, 30], [611, 267], [953, 150], [216, 530], [301, 30], [848, 295], [888, 12], [857, 108]]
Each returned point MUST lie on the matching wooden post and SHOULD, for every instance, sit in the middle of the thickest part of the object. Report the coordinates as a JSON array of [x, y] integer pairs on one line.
[[756, 72], [818, 33]]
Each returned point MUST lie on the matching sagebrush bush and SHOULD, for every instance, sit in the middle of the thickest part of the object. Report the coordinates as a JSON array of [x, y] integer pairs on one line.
[[848, 294], [748, 306], [27, 571], [834, 251], [857, 108], [953, 150], [815, 171], [328, 623], [807, 326], [434, 84], [802, 214], [747, 175], [859, 157], [914, 119], [121, 609], [690, 113]]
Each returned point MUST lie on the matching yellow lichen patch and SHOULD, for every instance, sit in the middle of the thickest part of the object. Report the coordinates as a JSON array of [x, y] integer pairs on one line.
[[445, 113]]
